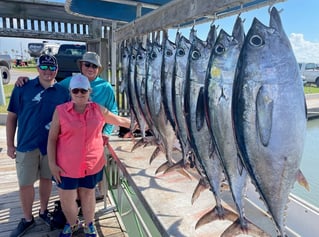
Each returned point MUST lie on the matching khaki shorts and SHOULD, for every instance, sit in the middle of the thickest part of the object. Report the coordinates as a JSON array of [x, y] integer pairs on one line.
[[30, 166]]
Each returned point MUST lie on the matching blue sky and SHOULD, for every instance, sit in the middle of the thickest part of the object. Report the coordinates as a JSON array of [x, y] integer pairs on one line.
[[300, 20]]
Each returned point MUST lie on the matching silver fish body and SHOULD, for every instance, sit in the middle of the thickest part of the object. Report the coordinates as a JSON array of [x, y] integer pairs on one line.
[[139, 82], [133, 99], [169, 51], [269, 114], [125, 60], [178, 88], [198, 134], [218, 97], [155, 103]]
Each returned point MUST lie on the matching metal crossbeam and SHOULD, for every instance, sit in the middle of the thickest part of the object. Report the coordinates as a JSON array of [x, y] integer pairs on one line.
[[179, 12]]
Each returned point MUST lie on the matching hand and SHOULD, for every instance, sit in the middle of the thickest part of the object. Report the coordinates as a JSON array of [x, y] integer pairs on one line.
[[21, 81], [55, 171], [11, 152]]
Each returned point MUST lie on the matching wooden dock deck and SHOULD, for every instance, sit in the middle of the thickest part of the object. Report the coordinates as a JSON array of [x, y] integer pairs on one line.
[[107, 222]]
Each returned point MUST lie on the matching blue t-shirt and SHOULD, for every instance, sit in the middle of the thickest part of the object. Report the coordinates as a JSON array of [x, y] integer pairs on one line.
[[34, 107], [103, 94]]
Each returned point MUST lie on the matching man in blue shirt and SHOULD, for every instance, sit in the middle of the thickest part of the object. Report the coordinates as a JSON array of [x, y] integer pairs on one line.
[[30, 112]]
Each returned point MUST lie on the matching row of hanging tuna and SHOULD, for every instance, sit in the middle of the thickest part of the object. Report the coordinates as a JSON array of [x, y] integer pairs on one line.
[[236, 106]]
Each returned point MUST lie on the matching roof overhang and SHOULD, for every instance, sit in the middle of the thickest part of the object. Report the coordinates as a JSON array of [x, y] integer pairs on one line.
[[143, 17], [114, 10]]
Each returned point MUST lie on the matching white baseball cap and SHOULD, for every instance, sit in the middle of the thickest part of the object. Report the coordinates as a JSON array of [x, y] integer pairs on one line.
[[80, 81]]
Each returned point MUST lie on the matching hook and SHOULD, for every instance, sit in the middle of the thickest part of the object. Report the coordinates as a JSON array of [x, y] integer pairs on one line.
[[241, 9], [193, 26], [214, 19], [271, 6]]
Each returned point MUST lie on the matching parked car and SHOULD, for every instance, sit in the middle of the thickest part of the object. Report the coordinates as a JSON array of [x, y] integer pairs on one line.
[[21, 63], [67, 57], [310, 73], [5, 66]]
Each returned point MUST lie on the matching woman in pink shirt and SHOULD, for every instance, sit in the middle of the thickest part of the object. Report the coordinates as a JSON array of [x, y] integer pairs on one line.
[[76, 152]]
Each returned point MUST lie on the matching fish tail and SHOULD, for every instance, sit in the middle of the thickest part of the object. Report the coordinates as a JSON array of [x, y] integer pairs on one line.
[[244, 226]]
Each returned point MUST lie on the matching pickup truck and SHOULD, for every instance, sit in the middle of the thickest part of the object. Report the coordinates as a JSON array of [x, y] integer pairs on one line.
[[5, 66], [67, 57], [310, 73]]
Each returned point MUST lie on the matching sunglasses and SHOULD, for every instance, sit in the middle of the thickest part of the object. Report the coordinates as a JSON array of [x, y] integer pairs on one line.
[[86, 64], [45, 67], [77, 90]]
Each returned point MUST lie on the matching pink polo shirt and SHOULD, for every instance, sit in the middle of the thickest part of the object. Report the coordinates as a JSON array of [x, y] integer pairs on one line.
[[80, 150]]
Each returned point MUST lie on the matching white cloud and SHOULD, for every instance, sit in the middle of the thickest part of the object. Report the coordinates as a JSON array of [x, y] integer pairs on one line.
[[305, 51]]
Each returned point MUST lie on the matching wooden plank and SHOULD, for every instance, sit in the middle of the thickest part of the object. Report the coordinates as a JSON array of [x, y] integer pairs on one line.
[[180, 12]]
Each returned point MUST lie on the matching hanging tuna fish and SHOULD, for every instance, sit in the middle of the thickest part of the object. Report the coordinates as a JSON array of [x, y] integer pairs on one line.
[[269, 114]]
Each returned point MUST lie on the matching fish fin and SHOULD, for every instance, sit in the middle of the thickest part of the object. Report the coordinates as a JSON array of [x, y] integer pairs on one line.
[[184, 173], [154, 154], [138, 144], [216, 214], [201, 186], [264, 107], [144, 141], [301, 179], [142, 91], [247, 228], [162, 167], [180, 168], [240, 165], [200, 113]]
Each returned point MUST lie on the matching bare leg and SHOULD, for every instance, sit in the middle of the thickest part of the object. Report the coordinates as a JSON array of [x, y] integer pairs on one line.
[[45, 188], [69, 205], [87, 197], [27, 198]]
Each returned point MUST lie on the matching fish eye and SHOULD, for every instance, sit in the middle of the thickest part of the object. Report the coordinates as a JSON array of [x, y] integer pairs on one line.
[[180, 52], [256, 40], [133, 57], [219, 49], [169, 53], [153, 55], [195, 54]]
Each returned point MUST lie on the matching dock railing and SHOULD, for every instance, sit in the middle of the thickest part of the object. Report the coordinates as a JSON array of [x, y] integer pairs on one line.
[[135, 214]]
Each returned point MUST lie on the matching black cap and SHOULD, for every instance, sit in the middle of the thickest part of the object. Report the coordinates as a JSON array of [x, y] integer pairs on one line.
[[48, 60]]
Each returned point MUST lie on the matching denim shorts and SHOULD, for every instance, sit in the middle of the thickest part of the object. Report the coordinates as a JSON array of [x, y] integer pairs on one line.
[[89, 181]]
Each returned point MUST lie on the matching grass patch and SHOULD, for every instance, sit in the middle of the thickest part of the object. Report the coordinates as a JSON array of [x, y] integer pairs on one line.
[[26, 69], [7, 92], [311, 89]]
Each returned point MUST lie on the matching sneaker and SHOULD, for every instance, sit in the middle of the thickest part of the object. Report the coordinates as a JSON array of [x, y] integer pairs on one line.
[[23, 226], [46, 217], [89, 230], [68, 230]]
